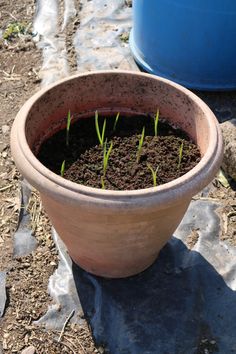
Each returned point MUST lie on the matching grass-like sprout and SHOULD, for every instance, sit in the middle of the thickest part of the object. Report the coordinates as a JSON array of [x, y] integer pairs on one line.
[[140, 144], [156, 120], [180, 153], [154, 174], [68, 128], [63, 168], [99, 135], [116, 121], [106, 154], [103, 182]]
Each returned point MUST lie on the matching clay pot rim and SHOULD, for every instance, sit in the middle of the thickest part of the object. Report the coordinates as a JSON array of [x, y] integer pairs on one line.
[[180, 186]]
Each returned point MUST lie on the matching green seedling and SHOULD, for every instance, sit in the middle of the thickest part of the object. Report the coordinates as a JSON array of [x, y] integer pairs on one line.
[[106, 154], [140, 144], [63, 168], [180, 153], [99, 135], [154, 174], [116, 121], [156, 120], [68, 128], [103, 182]]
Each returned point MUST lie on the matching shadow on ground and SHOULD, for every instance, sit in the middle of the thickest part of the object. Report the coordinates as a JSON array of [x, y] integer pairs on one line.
[[180, 305]]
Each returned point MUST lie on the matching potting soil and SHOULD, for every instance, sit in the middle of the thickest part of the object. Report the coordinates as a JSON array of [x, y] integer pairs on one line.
[[129, 166]]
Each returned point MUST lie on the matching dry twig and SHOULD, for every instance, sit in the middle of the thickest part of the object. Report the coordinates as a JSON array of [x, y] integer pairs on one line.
[[65, 324]]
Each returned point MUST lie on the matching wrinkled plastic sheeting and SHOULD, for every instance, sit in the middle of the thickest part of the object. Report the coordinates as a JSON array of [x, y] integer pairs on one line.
[[51, 39], [62, 289], [61, 285], [24, 243], [183, 304], [3, 295], [97, 41], [223, 104]]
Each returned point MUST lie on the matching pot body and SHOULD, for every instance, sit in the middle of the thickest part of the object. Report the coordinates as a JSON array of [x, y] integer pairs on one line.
[[190, 42], [114, 233]]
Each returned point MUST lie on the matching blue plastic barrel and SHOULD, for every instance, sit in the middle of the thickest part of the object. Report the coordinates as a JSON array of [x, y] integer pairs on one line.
[[192, 42]]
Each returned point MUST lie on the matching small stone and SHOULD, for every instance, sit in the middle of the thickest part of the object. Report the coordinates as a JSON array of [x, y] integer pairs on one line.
[[26, 339], [53, 263], [4, 344], [229, 136], [29, 350], [5, 129], [4, 154]]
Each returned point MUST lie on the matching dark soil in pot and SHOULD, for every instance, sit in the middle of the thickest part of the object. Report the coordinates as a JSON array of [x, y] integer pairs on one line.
[[84, 155]]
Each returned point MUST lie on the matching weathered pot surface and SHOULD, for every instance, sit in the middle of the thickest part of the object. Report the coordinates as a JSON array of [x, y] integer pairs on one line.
[[114, 233]]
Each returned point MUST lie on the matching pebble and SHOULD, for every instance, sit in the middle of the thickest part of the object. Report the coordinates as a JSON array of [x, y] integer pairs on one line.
[[29, 350], [4, 154], [53, 263], [229, 136], [5, 129]]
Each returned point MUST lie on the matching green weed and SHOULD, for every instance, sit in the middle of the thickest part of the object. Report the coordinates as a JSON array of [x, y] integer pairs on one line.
[[124, 37], [14, 29]]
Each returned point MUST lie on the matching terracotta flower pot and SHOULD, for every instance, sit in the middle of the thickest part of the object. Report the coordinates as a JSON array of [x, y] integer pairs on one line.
[[114, 233]]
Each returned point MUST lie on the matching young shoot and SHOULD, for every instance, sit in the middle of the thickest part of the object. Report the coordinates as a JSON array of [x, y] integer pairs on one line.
[[106, 154], [140, 144], [68, 128], [103, 182], [99, 135], [63, 168], [180, 153], [156, 120], [154, 174], [116, 121]]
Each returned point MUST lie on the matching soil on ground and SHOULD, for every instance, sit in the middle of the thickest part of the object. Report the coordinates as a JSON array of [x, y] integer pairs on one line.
[[171, 153]]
